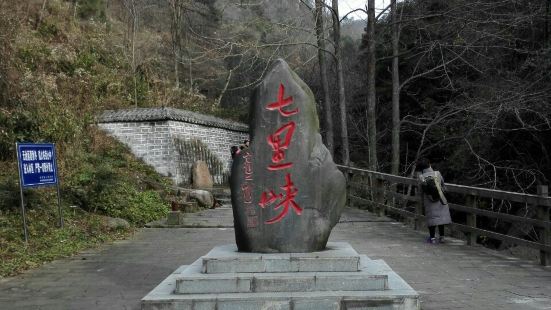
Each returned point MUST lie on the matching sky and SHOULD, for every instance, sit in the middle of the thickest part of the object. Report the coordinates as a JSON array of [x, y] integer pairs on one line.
[[346, 6]]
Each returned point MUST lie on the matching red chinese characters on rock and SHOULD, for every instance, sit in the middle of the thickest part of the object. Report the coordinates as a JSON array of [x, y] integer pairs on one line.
[[287, 200], [279, 146], [248, 166], [247, 191], [279, 142], [281, 103]]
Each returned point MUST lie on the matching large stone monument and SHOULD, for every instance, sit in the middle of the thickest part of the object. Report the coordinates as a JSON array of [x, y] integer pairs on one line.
[[287, 195]]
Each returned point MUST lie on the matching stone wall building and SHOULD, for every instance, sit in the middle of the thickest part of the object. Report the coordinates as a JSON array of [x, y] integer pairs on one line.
[[171, 140]]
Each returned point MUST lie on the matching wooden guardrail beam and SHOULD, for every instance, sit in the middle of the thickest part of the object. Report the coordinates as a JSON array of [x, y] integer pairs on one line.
[[460, 189], [383, 176], [498, 236], [498, 194], [501, 216]]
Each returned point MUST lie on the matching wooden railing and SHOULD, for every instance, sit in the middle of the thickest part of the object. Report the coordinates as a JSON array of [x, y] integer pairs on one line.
[[387, 193]]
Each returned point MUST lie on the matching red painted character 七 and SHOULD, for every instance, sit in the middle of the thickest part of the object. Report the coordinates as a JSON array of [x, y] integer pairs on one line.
[[282, 102]]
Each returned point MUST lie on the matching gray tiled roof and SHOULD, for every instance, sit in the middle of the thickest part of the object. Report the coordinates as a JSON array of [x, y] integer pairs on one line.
[[168, 114]]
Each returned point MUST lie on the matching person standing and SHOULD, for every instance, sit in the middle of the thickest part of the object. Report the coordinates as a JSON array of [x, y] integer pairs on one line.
[[234, 150], [437, 212], [244, 145]]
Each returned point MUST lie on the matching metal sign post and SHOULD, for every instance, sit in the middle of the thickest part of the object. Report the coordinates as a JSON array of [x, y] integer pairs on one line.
[[37, 167], [60, 223], [22, 198]]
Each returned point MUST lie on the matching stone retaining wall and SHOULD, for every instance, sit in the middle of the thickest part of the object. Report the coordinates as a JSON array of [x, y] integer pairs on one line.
[[153, 133]]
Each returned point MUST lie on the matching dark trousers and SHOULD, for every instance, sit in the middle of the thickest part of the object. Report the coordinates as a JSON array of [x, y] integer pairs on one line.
[[432, 231]]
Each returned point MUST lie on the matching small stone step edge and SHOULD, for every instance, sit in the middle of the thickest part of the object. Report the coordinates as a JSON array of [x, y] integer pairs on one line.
[[192, 281], [362, 300]]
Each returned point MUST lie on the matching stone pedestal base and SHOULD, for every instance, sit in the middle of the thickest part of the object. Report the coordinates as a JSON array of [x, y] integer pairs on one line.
[[335, 279]]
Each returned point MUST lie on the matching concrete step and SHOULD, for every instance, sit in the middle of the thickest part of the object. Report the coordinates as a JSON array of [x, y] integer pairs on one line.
[[221, 193], [338, 257], [192, 281], [369, 300], [224, 201], [398, 296]]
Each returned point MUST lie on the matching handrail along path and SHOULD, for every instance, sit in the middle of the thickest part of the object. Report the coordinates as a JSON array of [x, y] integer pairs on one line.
[[387, 193]]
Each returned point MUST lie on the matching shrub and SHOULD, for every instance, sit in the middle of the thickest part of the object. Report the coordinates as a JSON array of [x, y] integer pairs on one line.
[[91, 8], [16, 125], [32, 55], [126, 202], [48, 30]]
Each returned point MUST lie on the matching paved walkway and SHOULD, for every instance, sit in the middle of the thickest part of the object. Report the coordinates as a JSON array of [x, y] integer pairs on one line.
[[117, 276]]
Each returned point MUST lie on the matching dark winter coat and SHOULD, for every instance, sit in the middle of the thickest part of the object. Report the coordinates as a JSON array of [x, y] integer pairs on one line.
[[436, 213]]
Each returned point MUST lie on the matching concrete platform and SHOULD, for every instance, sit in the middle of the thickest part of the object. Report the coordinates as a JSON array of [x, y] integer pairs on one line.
[[338, 256], [192, 281], [372, 285]]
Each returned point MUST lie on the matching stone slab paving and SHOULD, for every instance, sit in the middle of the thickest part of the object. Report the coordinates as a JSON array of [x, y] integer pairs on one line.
[[213, 218], [448, 276]]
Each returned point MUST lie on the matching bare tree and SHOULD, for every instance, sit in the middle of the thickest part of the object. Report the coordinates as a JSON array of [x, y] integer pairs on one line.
[[547, 23], [176, 10], [371, 92], [41, 14], [132, 10], [395, 166], [75, 9], [340, 83], [320, 35]]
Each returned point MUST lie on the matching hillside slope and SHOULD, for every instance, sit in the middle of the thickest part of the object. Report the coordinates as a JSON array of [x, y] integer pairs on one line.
[[63, 61], [56, 73]]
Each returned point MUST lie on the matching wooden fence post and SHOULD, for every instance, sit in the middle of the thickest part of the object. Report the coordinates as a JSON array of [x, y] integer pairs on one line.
[[544, 233], [348, 178], [471, 220], [419, 206], [380, 197]]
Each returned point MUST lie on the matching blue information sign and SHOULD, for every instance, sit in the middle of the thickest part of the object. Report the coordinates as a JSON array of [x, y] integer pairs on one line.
[[37, 164]]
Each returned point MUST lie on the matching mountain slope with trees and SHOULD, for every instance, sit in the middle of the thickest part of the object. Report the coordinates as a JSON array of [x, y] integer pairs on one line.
[[62, 62], [474, 90], [463, 82]]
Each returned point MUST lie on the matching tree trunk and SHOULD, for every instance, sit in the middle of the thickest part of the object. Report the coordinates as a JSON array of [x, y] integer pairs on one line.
[[41, 14], [371, 95], [345, 151], [176, 73], [176, 38], [75, 9], [546, 30], [190, 75], [395, 91], [134, 67], [320, 33]]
